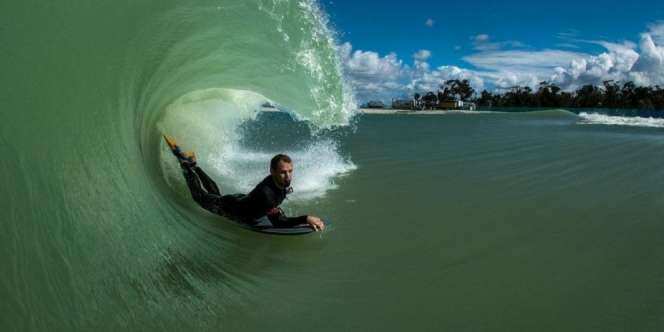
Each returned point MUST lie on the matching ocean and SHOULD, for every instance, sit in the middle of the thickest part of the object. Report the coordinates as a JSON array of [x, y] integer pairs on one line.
[[545, 220]]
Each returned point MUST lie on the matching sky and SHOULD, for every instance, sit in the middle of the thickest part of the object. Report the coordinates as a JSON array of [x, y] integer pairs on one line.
[[391, 49]]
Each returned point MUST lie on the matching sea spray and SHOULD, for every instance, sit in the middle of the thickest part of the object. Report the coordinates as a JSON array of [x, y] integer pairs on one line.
[[613, 120]]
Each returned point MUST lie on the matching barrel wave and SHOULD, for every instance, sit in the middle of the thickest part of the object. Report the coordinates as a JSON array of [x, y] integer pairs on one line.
[[536, 220], [98, 228]]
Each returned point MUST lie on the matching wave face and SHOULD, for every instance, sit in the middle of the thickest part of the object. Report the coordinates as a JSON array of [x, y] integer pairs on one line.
[[98, 229]]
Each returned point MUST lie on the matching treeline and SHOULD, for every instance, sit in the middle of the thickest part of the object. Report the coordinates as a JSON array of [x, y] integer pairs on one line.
[[610, 95]]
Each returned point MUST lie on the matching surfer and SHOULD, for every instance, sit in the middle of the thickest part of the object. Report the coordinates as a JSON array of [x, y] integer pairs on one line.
[[263, 200]]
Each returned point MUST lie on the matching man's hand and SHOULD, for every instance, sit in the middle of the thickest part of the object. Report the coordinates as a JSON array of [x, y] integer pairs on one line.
[[315, 223]]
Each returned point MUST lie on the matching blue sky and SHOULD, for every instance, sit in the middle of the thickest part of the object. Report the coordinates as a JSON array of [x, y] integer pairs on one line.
[[496, 44]]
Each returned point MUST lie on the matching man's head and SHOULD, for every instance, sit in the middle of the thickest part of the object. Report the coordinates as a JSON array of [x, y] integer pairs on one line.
[[281, 168]]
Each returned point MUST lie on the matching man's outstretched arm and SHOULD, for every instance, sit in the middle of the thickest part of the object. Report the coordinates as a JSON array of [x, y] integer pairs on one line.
[[279, 219]]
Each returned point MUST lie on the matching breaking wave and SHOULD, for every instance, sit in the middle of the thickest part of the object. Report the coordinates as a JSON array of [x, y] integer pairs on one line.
[[610, 120]]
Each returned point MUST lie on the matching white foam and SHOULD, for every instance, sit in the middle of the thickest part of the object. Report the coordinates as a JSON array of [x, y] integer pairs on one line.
[[207, 122], [602, 119], [315, 168]]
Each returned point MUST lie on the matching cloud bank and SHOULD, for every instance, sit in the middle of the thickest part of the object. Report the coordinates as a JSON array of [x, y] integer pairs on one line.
[[501, 65]]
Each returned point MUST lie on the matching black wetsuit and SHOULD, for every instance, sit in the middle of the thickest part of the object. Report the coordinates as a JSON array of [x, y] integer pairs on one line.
[[263, 200]]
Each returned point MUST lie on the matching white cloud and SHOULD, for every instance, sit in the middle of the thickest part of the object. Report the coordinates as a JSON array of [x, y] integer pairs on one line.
[[540, 62], [649, 67], [567, 45], [482, 42], [620, 62], [422, 55], [371, 75], [481, 38], [376, 76], [429, 22], [508, 79], [568, 34], [370, 65], [431, 81], [656, 32], [570, 70], [385, 77], [421, 65]]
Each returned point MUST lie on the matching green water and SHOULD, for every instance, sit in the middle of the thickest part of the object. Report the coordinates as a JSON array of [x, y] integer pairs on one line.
[[540, 221]]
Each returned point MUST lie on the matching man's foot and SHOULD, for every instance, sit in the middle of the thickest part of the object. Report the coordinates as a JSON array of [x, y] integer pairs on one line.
[[185, 158], [189, 158]]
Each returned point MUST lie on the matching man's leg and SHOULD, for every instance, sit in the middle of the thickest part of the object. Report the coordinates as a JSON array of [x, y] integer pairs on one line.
[[208, 183], [209, 201]]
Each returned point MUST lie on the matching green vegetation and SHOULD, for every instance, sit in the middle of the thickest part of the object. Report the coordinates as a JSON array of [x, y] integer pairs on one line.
[[610, 95], [452, 90]]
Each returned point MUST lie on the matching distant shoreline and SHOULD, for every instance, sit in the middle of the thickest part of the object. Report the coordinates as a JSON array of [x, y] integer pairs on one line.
[[405, 111], [630, 113]]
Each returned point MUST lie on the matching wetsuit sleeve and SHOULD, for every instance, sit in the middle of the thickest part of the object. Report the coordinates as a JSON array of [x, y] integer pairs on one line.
[[269, 206], [279, 219]]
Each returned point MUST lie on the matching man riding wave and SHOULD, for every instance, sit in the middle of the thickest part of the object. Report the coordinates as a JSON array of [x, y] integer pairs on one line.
[[263, 200]]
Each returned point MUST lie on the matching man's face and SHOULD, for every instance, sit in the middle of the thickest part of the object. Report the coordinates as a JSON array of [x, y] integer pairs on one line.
[[283, 174]]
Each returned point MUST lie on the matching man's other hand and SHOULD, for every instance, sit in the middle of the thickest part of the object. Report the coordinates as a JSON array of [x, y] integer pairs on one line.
[[315, 223]]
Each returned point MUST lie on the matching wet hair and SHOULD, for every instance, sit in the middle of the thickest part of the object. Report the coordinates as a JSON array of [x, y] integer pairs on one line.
[[276, 159]]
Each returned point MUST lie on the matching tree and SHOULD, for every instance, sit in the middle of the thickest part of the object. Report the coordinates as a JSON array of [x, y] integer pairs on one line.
[[457, 89], [628, 98], [643, 97], [465, 91], [547, 95], [518, 96], [588, 96], [430, 100], [418, 101], [611, 94], [486, 99]]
